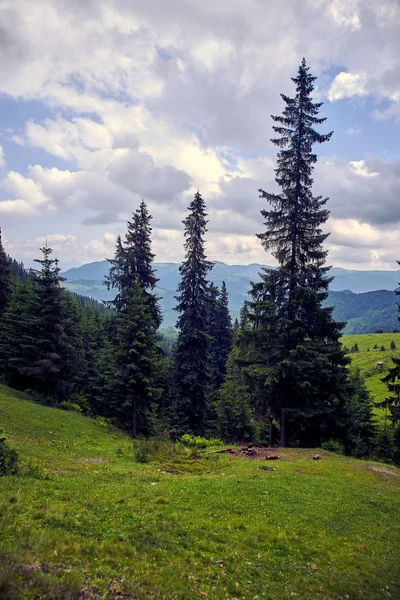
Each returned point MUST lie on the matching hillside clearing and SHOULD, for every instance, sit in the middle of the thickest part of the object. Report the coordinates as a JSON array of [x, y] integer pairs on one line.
[[84, 520], [366, 359]]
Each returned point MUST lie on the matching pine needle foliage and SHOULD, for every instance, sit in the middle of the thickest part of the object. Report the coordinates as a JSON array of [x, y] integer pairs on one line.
[[304, 366], [5, 277], [193, 341]]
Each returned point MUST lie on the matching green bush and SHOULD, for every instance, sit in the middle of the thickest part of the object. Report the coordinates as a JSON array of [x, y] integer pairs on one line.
[[196, 441], [385, 448], [158, 449], [8, 457], [68, 405], [333, 446], [34, 469]]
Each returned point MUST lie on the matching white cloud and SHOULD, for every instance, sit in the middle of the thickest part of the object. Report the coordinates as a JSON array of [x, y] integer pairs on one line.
[[2, 158], [29, 197], [153, 99], [347, 85], [353, 131]]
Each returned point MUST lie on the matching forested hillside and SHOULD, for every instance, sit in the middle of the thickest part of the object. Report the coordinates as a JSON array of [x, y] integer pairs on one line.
[[363, 311], [276, 374]]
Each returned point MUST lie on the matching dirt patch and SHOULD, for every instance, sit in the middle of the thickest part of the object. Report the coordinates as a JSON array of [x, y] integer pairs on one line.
[[383, 470], [94, 461]]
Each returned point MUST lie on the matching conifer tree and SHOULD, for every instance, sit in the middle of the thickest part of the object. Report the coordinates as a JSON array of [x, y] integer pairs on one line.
[[304, 365], [18, 350], [5, 277], [220, 332], [49, 370], [135, 359], [133, 262], [192, 345]]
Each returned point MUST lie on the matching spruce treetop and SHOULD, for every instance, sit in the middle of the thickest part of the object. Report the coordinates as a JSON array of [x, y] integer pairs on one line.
[[293, 224]]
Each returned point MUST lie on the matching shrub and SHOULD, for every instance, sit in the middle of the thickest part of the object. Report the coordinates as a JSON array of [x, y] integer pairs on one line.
[[385, 445], [196, 441], [333, 446], [158, 449], [8, 457], [34, 469], [68, 405]]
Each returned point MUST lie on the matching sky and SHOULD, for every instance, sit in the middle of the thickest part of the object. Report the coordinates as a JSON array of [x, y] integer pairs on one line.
[[104, 103]]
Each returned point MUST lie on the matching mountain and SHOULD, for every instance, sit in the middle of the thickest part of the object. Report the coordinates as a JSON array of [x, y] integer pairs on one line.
[[360, 304]]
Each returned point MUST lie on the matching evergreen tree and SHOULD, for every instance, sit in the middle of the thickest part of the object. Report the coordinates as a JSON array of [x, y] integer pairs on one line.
[[50, 368], [5, 277], [235, 414], [135, 360], [224, 333], [304, 366], [18, 350], [133, 262], [192, 345]]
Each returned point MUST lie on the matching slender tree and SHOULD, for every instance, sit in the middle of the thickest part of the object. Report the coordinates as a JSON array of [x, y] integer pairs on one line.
[[133, 262], [305, 367], [192, 346], [53, 345], [220, 331], [136, 358], [5, 277]]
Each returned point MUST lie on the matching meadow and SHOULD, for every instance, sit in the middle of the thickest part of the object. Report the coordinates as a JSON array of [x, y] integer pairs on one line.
[[366, 359], [87, 518]]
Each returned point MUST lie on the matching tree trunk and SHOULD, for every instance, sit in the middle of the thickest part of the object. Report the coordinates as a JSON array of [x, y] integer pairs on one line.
[[134, 427], [284, 431]]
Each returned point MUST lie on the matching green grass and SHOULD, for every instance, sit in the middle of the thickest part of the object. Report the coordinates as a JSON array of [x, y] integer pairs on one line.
[[368, 356], [84, 520]]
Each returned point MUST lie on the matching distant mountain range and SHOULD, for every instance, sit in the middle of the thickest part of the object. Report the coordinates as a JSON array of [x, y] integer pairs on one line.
[[364, 299]]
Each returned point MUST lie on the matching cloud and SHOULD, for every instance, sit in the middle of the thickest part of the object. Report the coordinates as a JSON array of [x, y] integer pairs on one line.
[[137, 172], [346, 85], [2, 158], [353, 131], [154, 99], [29, 197], [366, 190]]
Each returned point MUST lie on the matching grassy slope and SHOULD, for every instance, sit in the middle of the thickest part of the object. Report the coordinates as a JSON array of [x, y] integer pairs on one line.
[[367, 357], [184, 528]]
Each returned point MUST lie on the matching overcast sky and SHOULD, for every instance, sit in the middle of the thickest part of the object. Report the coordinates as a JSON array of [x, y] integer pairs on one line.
[[106, 102]]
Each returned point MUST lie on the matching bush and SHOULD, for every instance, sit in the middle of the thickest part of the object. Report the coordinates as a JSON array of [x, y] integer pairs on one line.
[[34, 469], [67, 405], [385, 448], [8, 457], [333, 446], [158, 449], [196, 441]]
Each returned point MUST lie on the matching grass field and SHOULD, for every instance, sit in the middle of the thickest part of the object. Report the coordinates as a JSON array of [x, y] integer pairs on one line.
[[84, 520], [369, 354]]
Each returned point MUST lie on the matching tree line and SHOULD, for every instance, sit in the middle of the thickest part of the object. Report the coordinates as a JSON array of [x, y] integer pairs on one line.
[[278, 375]]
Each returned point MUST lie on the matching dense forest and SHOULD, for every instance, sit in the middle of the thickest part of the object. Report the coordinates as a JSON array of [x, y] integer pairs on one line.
[[277, 375]]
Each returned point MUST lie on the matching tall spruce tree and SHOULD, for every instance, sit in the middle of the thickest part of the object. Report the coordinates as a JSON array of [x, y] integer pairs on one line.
[[192, 346], [135, 359], [305, 373], [53, 346], [5, 277], [133, 262], [220, 331], [132, 386]]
